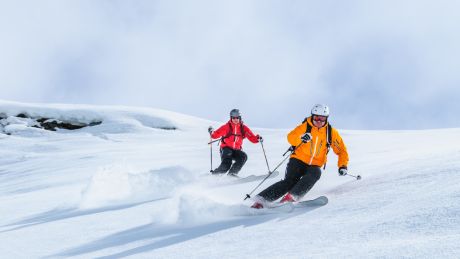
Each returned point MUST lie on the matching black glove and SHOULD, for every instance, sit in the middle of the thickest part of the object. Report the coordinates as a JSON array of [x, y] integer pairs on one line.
[[343, 170], [306, 137], [260, 138], [210, 129]]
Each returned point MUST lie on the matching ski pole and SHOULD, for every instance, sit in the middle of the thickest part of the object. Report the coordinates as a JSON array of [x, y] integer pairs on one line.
[[210, 147], [358, 177], [292, 149], [263, 149], [249, 195], [212, 141]]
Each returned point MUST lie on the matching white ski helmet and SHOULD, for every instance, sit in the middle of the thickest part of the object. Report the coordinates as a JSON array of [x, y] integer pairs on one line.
[[235, 113], [320, 109]]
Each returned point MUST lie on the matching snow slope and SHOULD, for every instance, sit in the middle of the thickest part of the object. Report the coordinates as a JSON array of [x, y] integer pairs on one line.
[[132, 187]]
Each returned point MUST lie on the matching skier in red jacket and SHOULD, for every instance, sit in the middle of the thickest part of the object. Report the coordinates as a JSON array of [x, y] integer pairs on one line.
[[232, 134]]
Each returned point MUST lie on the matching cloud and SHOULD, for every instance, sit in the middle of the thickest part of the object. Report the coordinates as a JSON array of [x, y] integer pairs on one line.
[[381, 65]]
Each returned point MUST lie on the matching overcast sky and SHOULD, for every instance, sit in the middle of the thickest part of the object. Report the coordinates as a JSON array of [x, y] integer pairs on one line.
[[377, 64]]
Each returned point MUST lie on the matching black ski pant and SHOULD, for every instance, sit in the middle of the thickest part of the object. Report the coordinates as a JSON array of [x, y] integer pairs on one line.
[[227, 156], [299, 179]]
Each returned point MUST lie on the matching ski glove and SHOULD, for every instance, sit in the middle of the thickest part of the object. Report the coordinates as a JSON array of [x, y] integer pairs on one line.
[[306, 137], [210, 129], [260, 138], [343, 171]]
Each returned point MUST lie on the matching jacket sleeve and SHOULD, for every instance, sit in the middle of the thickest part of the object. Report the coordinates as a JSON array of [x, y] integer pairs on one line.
[[248, 134], [339, 148], [294, 136], [220, 132]]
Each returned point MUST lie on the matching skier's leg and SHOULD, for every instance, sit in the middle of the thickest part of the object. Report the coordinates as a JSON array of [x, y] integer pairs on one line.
[[240, 159], [312, 175], [294, 171], [226, 157]]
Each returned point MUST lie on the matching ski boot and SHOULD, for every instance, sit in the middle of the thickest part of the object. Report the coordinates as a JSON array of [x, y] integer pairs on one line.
[[287, 198], [259, 202], [257, 205]]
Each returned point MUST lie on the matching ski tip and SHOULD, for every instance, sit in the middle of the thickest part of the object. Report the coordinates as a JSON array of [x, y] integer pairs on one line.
[[320, 201], [323, 199]]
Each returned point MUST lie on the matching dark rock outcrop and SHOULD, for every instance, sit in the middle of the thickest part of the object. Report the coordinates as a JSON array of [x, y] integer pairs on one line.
[[50, 123]]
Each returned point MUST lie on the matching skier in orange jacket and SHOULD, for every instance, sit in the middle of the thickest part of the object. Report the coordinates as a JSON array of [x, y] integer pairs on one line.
[[311, 139]]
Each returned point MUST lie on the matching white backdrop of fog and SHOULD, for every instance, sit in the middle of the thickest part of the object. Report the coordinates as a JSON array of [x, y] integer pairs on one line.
[[378, 64]]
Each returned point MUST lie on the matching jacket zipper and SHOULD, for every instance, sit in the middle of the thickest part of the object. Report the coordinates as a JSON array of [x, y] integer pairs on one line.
[[314, 151], [319, 149], [234, 139]]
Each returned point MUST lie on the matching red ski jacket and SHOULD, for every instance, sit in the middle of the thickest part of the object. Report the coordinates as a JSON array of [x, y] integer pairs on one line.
[[233, 135]]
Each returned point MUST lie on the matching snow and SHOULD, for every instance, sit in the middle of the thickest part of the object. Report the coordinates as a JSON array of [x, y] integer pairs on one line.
[[137, 186]]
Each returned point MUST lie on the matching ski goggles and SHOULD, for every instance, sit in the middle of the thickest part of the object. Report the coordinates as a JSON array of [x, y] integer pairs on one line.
[[319, 118], [235, 118]]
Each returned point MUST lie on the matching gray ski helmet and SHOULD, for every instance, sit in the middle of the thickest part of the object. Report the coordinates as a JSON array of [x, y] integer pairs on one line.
[[320, 109], [235, 113]]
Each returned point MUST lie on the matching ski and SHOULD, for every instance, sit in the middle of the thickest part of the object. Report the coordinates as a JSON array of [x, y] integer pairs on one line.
[[225, 179], [252, 178], [291, 206], [318, 202], [274, 208]]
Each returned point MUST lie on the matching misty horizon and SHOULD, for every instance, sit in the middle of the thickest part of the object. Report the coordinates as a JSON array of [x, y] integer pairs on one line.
[[382, 65]]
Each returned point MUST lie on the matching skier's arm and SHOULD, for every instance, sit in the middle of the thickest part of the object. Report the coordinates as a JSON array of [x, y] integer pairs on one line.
[[294, 136], [339, 148], [220, 132], [248, 134]]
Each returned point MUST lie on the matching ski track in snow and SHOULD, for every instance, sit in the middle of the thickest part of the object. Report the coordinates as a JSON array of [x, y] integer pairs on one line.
[[127, 188]]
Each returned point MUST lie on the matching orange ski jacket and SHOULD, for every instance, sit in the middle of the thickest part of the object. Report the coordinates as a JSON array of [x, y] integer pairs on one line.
[[314, 152]]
